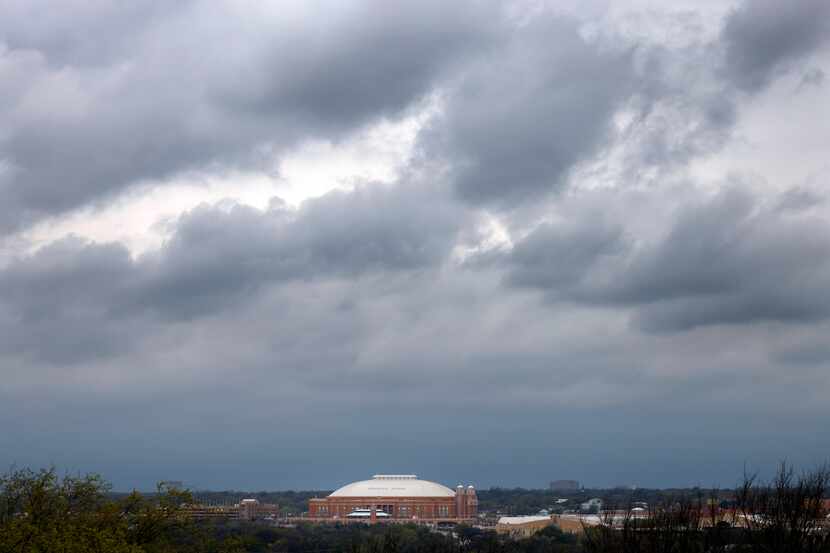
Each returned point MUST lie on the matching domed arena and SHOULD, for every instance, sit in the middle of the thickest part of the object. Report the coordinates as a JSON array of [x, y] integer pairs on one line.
[[396, 497]]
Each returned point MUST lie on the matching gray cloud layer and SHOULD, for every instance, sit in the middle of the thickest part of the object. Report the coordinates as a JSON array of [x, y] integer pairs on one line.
[[724, 260], [764, 36], [627, 300], [188, 92], [519, 119], [216, 259]]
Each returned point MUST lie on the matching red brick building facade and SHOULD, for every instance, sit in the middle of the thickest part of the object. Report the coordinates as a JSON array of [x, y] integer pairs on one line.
[[396, 497]]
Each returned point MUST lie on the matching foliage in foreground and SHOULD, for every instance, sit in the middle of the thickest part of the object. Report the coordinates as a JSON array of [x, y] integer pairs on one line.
[[787, 515], [40, 512]]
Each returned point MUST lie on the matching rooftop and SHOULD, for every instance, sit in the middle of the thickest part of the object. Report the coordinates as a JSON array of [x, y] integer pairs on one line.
[[393, 485], [523, 520]]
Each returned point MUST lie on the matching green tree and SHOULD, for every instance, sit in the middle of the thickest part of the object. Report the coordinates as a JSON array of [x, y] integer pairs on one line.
[[43, 513]]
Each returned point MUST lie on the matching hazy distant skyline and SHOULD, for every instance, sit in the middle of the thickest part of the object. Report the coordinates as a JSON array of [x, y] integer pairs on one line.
[[291, 245]]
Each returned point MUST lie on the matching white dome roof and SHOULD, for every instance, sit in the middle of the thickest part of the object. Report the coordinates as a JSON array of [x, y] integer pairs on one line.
[[393, 485]]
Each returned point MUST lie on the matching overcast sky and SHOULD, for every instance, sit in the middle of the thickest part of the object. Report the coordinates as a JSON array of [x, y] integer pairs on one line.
[[290, 245]]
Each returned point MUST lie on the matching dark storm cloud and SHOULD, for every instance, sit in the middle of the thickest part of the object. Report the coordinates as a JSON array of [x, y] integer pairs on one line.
[[186, 93], [168, 91], [57, 305], [680, 110], [216, 256], [766, 36], [382, 58], [517, 120], [560, 256], [74, 299], [520, 119], [730, 259]]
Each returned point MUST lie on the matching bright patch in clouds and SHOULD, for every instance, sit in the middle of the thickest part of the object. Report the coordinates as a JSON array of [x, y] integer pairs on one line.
[[139, 218]]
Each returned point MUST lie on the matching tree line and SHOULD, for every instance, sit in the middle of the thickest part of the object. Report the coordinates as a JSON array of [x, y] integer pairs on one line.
[[41, 512]]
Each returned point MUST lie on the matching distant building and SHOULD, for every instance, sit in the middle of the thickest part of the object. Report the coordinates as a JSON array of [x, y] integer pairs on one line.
[[522, 527], [593, 505], [211, 512], [575, 524], [247, 509], [564, 485], [401, 496], [172, 484]]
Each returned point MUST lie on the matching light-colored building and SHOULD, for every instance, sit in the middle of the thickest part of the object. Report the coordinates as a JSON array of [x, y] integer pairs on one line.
[[575, 524], [396, 497], [522, 527], [593, 505]]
